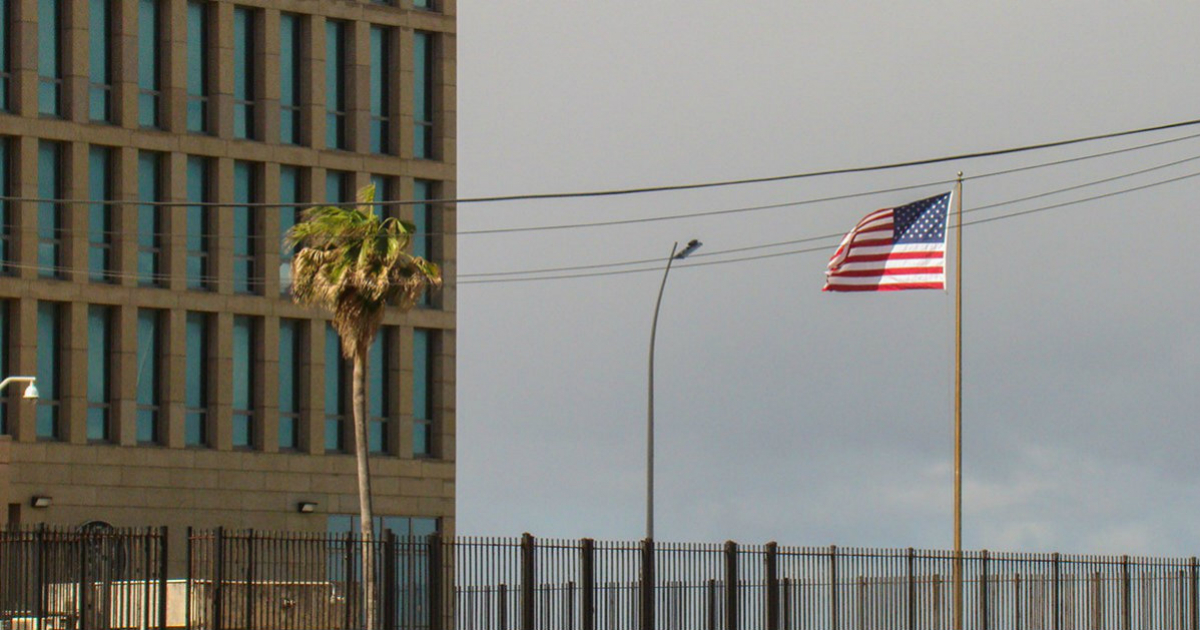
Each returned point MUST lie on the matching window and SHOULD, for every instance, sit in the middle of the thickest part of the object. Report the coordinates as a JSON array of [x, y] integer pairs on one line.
[[197, 66], [428, 5], [100, 220], [379, 394], [245, 229], [422, 94], [422, 241], [149, 375], [423, 392], [290, 61], [289, 384], [289, 193], [244, 73], [49, 364], [50, 64], [6, 189], [99, 378], [335, 84], [149, 219], [335, 393], [402, 526], [380, 83], [243, 382], [6, 25], [195, 365], [199, 223], [149, 62], [385, 191], [49, 215], [100, 19], [337, 187]]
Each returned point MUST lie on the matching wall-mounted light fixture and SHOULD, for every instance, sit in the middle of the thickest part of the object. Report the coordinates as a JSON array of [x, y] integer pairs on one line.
[[306, 507], [41, 502]]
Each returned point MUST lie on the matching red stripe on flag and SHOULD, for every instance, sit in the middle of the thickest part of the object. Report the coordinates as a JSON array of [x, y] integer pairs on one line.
[[855, 288], [894, 271]]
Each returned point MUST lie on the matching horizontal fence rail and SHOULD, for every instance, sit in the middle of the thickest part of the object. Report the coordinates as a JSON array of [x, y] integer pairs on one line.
[[256, 580]]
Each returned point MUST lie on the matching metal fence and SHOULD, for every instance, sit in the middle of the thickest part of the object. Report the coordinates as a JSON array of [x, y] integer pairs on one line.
[[249, 580]]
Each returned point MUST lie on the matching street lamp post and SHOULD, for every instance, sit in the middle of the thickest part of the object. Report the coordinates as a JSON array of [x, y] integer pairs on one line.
[[31, 392], [692, 246]]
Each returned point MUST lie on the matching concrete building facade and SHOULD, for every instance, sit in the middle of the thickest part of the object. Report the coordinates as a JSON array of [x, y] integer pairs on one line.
[[149, 151]]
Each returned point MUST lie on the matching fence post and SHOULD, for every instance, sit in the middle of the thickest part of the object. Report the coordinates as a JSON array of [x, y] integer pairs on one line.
[[833, 588], [1195, 579], [249, 596], [983, 590], [163, 548], [187, 597], [147, 564], [587, 579], [731, 585], [40, 572], [647, 594], [1055, 592], [388, 590], [712, 605], [436, 621], [772, 568], [912, 589], [218, 577], [351, 601], [1126, 595], [502, 608], [84, 586], [527, 581]]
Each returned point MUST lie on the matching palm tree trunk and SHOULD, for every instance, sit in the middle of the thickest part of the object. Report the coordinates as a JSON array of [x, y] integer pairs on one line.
[[364, 490]]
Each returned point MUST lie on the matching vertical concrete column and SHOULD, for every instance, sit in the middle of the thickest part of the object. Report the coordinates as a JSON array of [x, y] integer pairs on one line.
[[173, 48], [221, 225], [73, 372], [174, 382], [397, 91], [125, 62], [125, 215], [174, 221], [75, 216], [404, 390], [24, 156], [23, 360], [312, 99], [445, 246], [266, 389], [445, 388], [221, 61], [312, 400], [356, 77], [267, 247], [125, 375], [392, 379], [75, 60], [24, 57], [402, 116], [220, 381], [445, 98], [266, 80]]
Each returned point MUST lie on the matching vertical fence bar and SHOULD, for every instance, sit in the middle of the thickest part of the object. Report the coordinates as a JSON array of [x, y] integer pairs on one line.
[[1126, 595], [348, 567], [912, 589], [527, 581], [389, 589], [647, 590], [587, 579], [187, 598], [84, 585], [1194, 578], [833, 588], [772, 579], [731, 585], [163, 557], [1056, 606], [218, 587], [39, 559], [248, 598], [983, 590], [436, 619]]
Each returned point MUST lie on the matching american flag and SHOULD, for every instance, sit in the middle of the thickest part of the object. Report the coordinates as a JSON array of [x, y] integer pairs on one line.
[[893, 249]]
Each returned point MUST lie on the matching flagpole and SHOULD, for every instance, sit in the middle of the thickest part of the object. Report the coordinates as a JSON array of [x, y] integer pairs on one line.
[[958, 576]]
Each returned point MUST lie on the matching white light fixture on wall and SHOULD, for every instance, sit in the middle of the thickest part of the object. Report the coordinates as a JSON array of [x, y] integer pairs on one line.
[[41, 502], [306, 507]]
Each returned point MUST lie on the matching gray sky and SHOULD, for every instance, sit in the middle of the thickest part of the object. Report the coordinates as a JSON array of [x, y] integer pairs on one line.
[[784, 413]]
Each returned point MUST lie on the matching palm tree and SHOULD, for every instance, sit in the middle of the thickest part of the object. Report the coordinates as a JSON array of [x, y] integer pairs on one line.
[[355, 264]]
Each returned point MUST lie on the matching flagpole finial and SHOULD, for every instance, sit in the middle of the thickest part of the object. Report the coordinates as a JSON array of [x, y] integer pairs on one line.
[[960, 174]]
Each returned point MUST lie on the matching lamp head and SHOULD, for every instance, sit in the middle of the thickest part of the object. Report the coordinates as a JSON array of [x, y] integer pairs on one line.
[[31, 392], [692, 246]]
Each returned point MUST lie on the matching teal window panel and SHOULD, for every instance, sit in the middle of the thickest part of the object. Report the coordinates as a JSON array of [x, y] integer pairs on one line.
[[289, 193], [243, 381], [245, 228], [196, 369], [337, 187], [244, 68], [378, 392], [100, 41], [379, 83], [99, 377], [289, 384], [196, 110], [335, 392], [290, 59], [149, 62], [149, 375], [6, 190], [149, 219], [49, 213], [198, 223], [50, 65], [428, 5], [49, 364], [423, 72], [100, 215], [5, 68], [422, 240], [384, 192], [423, 392], [335, 84]]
